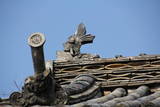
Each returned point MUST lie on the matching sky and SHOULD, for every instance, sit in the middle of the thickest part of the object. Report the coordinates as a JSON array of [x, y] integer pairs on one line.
[[126, 27]]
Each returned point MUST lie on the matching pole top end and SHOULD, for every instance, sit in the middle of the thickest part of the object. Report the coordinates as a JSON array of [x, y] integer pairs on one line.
[[36, 39]]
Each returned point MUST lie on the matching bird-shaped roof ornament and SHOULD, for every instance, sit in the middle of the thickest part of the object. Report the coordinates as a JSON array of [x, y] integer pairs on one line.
[[78, 39]]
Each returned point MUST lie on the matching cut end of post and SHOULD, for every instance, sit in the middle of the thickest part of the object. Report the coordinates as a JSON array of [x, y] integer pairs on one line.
[[36, 39], [36, 42]]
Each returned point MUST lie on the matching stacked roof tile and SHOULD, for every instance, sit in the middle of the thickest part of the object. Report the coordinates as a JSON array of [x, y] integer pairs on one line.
[[86, 80]]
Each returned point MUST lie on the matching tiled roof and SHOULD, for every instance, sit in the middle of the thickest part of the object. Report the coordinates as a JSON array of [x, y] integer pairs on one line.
[[119, 79], [113, 72], [86, 80]]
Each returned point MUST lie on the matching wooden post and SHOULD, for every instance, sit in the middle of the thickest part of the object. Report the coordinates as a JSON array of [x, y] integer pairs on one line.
[[36, 41]]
